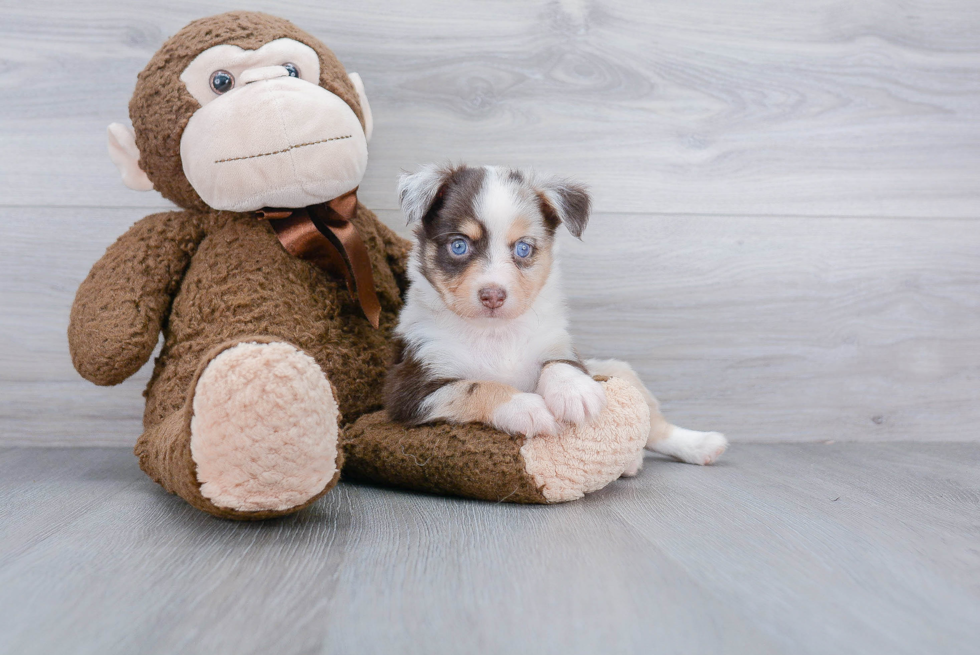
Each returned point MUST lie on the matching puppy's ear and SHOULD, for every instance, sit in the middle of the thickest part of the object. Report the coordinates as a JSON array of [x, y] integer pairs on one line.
[[420, 194], [565, 202]]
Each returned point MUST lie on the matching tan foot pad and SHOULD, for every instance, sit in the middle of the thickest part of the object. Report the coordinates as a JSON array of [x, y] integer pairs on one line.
[[264, 430], [586, 458]]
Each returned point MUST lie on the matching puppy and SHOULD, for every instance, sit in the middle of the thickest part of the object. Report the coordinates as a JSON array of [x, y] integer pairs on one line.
[[483, 336]]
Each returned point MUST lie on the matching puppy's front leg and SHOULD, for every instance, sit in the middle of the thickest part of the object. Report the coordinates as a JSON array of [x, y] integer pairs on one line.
[[570, 392], [493, 403], [413, 395]]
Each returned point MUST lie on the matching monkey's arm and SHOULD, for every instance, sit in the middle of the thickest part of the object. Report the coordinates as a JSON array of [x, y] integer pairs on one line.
[[121, 306]]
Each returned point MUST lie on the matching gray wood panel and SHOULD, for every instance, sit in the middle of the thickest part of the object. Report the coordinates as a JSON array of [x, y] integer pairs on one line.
[[789, 329], [786, 244], [818, 108], [845, 548], [768, 329]]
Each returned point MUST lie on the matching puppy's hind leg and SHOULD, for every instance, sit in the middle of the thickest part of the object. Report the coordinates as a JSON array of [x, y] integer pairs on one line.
[[691, 446], [688, 446]]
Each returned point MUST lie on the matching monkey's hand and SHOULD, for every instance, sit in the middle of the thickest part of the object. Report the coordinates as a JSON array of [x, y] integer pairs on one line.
[[120, 307]]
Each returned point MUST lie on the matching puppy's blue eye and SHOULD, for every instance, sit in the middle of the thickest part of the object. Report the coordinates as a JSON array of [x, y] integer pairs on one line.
[[458, 247], [291, 69], [522, 249]]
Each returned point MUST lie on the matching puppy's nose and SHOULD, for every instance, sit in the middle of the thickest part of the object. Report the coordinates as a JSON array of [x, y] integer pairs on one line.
[[492, 297]]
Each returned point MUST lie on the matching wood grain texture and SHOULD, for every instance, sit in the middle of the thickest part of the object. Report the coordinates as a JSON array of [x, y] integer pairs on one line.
[[866, 108], [786, 244], [802, 549], [767, 329], [789, 329]]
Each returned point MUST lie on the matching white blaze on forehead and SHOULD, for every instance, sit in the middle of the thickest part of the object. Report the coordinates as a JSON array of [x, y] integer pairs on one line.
[[506, 207], [197, 76], [497, 205]]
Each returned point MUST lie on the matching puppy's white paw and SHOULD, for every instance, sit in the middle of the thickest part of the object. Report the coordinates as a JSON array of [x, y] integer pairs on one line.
[[525, 413], [712, 445], [571, 395], [691, 446]]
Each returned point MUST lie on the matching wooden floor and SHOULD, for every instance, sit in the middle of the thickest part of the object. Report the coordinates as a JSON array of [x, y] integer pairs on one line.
[[793, 548]]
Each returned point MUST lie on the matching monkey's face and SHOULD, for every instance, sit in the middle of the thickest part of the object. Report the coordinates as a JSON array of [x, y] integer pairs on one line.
[[241, 111], [267, 134]]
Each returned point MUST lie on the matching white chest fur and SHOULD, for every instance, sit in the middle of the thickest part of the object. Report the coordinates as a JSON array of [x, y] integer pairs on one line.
[[508, 351]]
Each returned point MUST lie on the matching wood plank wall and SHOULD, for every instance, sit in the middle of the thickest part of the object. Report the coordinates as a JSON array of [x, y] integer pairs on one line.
[[786, 241]]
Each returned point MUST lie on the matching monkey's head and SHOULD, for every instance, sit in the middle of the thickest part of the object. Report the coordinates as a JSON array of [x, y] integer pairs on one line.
[[242, 111]]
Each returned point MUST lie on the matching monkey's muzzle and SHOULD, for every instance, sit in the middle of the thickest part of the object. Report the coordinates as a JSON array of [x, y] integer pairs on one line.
[[280, 142]]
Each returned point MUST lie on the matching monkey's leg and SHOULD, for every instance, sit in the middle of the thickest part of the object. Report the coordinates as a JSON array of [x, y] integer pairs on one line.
[[477, 461], [256, 438], [688, 446]]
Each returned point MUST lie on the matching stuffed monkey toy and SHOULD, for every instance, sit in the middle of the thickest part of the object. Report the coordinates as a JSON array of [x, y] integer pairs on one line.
[[276, 292]]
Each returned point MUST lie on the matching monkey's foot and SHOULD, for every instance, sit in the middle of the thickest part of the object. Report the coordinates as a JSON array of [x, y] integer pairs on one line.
[[586, 458], [263, 434], [478, 461]]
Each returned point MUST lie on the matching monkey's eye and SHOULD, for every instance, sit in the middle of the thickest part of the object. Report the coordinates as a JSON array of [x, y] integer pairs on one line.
[[291, 69], [222, 82], [458, 247], [522, 249]]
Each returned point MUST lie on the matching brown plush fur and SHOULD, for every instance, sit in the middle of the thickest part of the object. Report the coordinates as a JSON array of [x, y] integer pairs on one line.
[[475, 461], [210, 278], [164, 452], [234, 279]]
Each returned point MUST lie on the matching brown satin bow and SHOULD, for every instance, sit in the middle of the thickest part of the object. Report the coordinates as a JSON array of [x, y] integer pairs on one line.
[[324, 234]]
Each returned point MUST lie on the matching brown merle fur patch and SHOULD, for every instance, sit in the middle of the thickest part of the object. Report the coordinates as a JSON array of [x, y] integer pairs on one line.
[[407, 385], [569, 204], [452, 213]]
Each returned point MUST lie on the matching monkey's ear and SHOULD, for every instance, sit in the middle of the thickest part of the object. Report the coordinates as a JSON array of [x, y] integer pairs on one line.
[[565, 202], [126, 156], [365, 107]]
